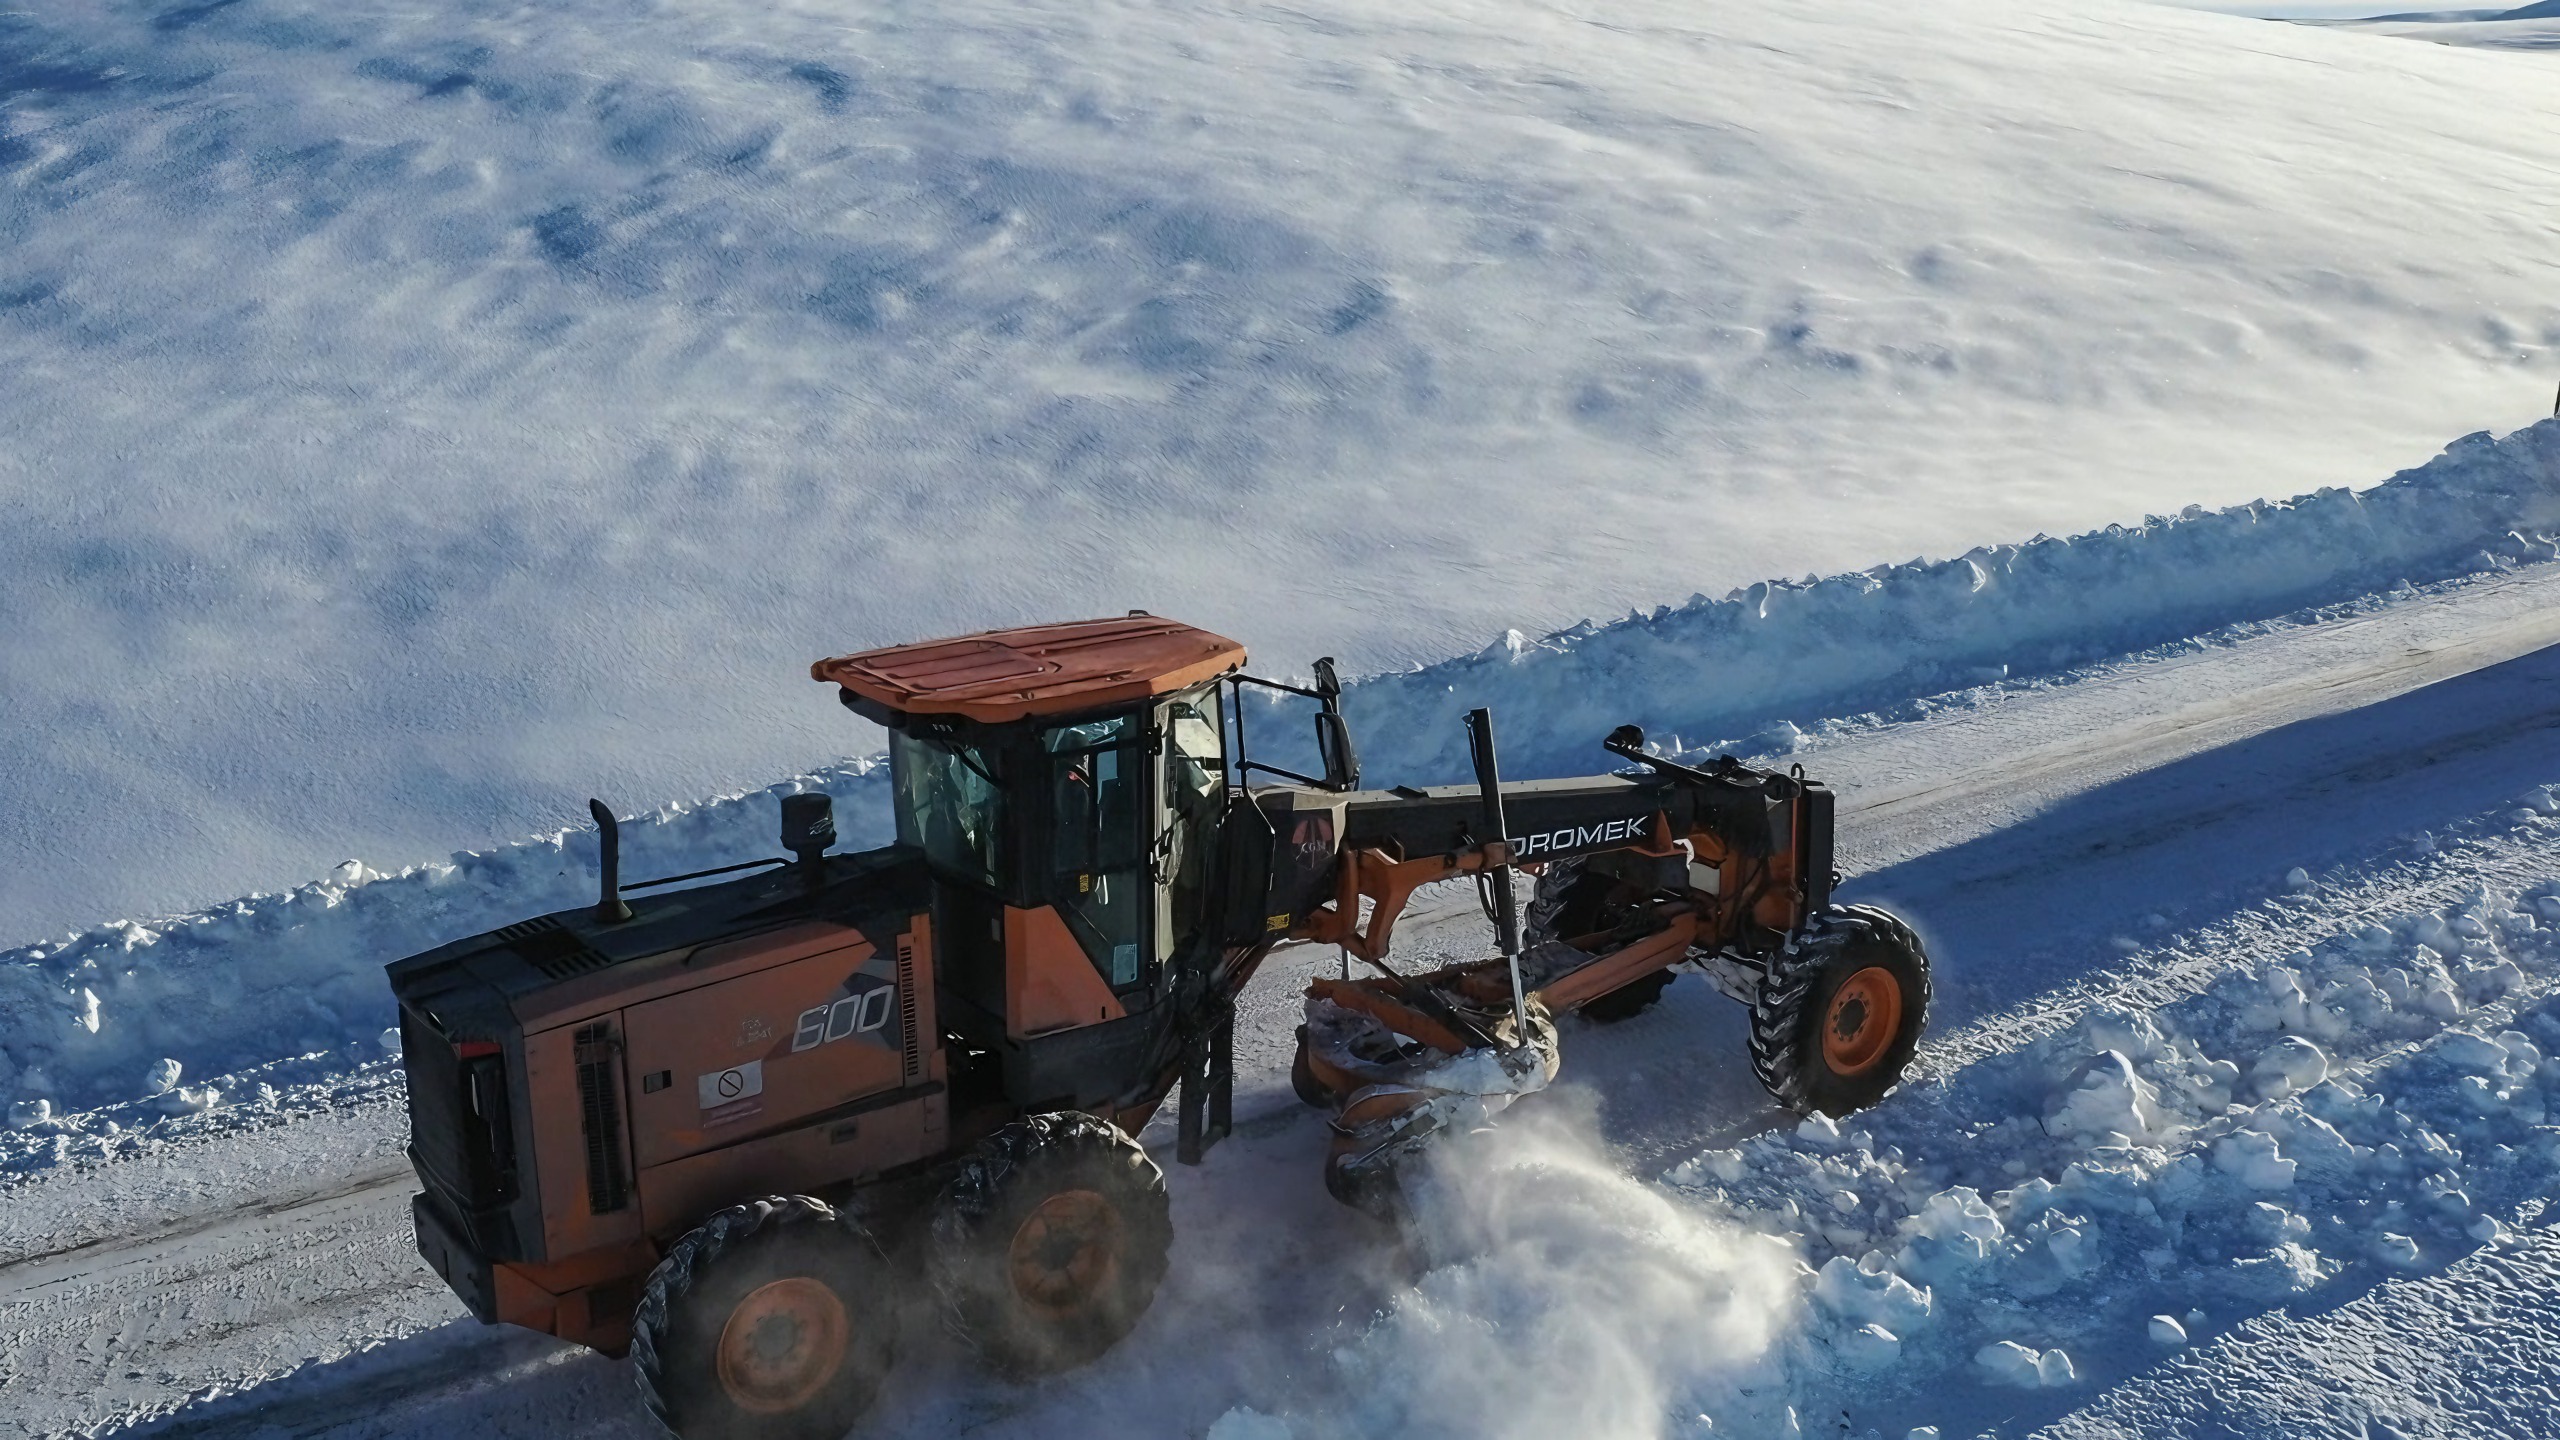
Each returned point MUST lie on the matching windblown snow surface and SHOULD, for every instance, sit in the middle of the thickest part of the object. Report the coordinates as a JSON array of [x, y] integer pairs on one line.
[[415, 418], [2236, 1119]]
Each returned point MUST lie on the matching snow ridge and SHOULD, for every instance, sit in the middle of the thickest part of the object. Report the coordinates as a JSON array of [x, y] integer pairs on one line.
[[181, 1014], [1784, 651]]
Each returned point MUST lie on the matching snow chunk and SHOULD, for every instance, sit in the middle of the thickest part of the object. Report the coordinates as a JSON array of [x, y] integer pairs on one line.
[[1871, 1347], [27, 1114], [2006, 1362], [162, 1077], [2472, 1053], [188, 1100], [1959, 1217], [2289, 1066], [1853, 1291], [2105, 1097], [2250, 1157], [2167, 1332]]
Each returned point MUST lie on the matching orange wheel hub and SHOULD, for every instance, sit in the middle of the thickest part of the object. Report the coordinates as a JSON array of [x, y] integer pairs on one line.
[[782, 1345], [1865, 1015], [1065, 1253]]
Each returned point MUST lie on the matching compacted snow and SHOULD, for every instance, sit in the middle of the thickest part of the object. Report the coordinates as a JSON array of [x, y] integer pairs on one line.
[[415, 418]]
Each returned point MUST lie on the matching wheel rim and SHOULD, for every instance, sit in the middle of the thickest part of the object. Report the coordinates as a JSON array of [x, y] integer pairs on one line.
[[1066, 1253], [1864, 1016], [782, 1345]]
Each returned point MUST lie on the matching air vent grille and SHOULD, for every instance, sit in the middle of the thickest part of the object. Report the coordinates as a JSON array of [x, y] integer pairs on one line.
[[600, 1118], [551, 948], [912, 1048]]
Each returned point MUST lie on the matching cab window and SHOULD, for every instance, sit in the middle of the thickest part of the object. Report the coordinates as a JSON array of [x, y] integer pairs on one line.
[[949, 806]]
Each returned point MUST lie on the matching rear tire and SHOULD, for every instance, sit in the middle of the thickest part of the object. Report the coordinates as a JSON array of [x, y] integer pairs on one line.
[[1840, 1011], [1050, 1241], [767, 1320], [1629, 1000], [1571, 900], [1568, 901]]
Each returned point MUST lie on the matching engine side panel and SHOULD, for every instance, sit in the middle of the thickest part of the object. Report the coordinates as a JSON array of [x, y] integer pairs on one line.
[[711, 1066]]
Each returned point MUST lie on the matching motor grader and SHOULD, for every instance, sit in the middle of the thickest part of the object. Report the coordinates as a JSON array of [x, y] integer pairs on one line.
[[740, 1122]]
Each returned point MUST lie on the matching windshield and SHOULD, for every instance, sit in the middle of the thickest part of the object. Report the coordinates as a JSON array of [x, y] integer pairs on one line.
[[948, 805]]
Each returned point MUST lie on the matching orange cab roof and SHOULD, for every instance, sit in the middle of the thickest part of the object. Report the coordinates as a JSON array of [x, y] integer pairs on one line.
[[1001, 675]]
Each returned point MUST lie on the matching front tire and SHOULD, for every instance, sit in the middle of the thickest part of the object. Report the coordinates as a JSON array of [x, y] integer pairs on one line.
[[767, 1320], [1840, 1011], [1050, 1242]]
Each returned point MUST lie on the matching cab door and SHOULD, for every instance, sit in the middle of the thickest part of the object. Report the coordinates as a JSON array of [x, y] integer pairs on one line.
[[1189, 801], [1098, 842]]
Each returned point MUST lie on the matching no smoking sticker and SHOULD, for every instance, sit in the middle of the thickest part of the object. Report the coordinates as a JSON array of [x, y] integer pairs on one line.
[[728, 1087]]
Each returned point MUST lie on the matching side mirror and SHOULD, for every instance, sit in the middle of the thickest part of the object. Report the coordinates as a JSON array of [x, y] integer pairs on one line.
[[1341, 757], [1328, 684]]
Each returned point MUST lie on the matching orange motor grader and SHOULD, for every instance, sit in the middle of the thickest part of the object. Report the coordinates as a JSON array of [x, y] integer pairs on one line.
[[742, 1124]]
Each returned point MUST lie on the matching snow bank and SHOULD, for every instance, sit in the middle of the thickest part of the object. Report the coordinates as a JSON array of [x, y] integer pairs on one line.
[[1783, 651], [123, 1011], [2050, 1216]]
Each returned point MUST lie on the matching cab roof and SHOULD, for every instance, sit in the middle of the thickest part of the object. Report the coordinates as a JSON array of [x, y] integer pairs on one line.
[[1000, 675]]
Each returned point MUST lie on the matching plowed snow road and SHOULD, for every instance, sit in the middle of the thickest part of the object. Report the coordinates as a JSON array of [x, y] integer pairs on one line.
[[261, 1282]]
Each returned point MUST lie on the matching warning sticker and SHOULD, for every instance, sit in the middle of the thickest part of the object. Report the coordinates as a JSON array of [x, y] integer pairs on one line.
[[728, 1087]]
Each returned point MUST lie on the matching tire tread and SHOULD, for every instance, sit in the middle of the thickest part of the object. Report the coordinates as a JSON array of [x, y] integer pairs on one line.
[[1779, 1056]]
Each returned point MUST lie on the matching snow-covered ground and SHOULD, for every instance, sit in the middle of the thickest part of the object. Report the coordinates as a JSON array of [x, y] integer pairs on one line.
[[415, 418], [2250, 959]]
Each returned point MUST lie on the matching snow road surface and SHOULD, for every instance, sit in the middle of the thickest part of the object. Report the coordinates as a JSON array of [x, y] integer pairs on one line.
[[2118, 1116]]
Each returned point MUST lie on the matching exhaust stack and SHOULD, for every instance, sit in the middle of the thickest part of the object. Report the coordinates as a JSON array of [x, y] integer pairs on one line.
[[609, 907]]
